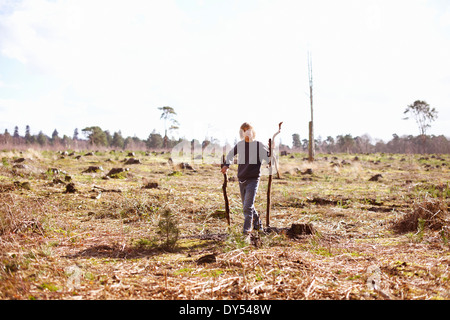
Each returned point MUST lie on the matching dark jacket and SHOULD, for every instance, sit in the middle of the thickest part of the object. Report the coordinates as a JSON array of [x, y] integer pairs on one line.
[[250, 157]]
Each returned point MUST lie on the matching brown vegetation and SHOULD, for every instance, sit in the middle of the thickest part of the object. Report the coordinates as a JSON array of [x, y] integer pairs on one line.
[[155, 233]]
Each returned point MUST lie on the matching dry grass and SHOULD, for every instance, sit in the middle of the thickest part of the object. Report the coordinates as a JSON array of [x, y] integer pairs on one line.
[[375, 240], [431, 213]]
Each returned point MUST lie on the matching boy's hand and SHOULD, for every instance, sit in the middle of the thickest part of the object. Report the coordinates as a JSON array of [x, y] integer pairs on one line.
[[224, 169]]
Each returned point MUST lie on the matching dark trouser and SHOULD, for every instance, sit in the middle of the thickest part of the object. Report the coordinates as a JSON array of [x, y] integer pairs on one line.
[[248, 190]]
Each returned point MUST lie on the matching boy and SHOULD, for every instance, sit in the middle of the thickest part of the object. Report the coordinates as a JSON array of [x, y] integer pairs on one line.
[[250, 153]]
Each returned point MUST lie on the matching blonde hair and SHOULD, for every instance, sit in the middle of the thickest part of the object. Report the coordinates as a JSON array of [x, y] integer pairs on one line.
[[247, 130]]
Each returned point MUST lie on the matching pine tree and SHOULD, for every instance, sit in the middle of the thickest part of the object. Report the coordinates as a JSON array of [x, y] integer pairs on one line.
[[16, 132], [155, 140], [55, 137], [75, 134], [96, 136], [7, 136], [42, 139], [117, 140], [422, 113], [27, 134], [168, 115], [109, 138], [296, 143], [168, 230]]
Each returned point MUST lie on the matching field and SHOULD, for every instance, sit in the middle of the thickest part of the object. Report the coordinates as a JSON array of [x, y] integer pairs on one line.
[[70, 229]]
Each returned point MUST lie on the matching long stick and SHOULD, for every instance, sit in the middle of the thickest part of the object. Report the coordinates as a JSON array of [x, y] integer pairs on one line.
[[224, 189], [269, 188]]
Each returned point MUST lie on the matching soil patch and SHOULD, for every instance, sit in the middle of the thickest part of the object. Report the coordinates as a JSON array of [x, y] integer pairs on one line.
[[434, 213]]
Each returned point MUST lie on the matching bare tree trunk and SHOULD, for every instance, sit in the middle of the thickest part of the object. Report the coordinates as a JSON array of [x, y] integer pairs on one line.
[[311, 148]]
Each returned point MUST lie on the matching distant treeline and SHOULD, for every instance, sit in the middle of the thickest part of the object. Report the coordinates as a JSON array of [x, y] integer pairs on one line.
[[404, 144], [95, 137]]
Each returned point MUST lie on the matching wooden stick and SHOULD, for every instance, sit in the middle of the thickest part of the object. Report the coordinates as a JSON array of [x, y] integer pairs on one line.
[[269, 186], [224, 189]]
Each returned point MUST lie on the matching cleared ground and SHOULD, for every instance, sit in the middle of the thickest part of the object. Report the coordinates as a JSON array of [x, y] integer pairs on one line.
[[158, 231]]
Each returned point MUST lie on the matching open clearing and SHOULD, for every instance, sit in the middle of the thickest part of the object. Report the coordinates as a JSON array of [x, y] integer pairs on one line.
[[67, 232]]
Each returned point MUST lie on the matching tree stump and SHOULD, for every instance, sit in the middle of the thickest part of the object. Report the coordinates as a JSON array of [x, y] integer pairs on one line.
[[300, 229], [376, 177], [209, 258], [296, 230], [133, 161], [70, 188], [93, 169]]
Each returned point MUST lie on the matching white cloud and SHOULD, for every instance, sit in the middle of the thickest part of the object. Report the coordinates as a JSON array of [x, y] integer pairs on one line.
[[117, 61], [111, 53]]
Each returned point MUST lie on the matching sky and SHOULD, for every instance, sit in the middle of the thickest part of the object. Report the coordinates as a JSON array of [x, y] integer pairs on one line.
[[67, 64]]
